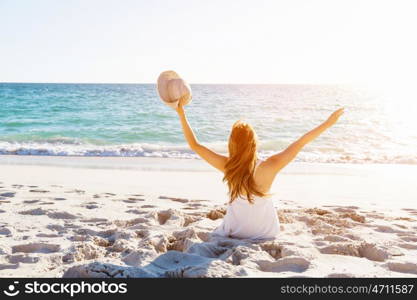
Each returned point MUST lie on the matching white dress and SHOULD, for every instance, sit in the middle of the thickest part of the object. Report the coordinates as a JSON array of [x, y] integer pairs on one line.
[[245, 220]]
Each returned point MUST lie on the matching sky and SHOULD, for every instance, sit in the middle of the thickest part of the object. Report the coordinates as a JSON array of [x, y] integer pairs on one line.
[[217, 41]]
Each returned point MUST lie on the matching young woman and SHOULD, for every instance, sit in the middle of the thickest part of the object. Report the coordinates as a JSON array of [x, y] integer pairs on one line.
[[250, 212]]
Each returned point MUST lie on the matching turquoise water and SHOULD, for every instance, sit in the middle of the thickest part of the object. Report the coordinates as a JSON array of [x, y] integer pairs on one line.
[[130, 120]]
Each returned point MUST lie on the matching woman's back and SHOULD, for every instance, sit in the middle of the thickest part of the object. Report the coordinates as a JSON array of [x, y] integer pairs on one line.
[[257, 220]]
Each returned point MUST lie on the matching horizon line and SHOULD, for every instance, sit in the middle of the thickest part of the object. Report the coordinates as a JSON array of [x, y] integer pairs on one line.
[[193, 83]]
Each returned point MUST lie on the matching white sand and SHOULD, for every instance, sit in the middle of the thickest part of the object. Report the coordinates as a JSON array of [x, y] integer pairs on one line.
[[100, 217]]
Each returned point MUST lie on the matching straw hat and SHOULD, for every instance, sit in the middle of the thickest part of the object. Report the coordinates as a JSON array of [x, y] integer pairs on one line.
[[171, 88]]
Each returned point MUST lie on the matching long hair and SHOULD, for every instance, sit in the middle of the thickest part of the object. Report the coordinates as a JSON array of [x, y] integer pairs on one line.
[[240, 166]]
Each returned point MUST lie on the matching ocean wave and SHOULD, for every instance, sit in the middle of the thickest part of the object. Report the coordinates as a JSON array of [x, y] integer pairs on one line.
[[182, 151], [75, 149]]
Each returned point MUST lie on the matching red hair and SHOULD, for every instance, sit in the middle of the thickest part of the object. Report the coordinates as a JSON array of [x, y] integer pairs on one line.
[[240, 166]]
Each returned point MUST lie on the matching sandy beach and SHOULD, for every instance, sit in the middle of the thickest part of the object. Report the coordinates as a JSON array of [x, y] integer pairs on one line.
[[136, 217]]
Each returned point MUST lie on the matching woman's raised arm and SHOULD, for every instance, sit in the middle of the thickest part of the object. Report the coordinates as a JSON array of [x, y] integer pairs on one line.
[[216, 160], [278, 161]]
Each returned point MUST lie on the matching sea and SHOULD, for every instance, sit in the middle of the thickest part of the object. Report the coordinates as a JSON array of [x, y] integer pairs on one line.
[[129, 120]]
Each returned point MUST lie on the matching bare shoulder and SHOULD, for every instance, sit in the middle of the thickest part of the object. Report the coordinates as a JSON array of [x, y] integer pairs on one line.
[[276, 162], [265, 174], [270, 164]]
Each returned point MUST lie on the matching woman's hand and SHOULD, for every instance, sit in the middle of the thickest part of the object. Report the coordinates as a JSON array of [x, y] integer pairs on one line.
[[334, 117], [179, 108]]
